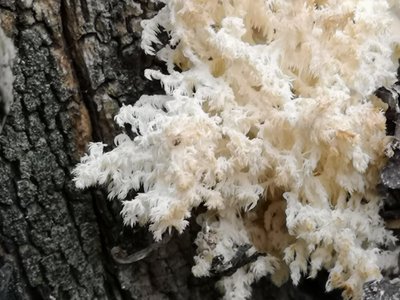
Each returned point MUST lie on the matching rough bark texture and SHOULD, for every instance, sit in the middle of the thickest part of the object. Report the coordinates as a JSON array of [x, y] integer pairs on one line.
[[78, 61], [74, 58], [382, 290]]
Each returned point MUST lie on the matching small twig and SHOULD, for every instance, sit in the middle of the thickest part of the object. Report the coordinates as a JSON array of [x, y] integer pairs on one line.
[[120, 256], [239, 260]]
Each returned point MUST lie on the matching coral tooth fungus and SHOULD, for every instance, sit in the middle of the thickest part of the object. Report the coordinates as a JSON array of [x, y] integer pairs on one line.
[[271, 122]]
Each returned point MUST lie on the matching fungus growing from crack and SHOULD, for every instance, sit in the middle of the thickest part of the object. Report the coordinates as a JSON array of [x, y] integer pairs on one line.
[[279, 135]]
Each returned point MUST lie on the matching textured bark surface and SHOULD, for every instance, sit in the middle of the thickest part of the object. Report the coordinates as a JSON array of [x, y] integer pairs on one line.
[[78, 61], [382, 290], [75, 58]]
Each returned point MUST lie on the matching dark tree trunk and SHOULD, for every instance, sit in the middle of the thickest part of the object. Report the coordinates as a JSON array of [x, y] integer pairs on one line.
[[75, 57]]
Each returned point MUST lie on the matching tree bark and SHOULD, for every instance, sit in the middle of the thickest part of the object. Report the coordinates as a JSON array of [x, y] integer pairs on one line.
[[78, 61]]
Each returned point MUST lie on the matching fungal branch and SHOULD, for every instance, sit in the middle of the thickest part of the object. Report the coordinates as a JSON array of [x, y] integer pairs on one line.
[[270, 121]]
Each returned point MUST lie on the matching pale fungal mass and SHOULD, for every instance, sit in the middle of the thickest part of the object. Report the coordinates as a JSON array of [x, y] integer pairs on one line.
[[7, 56], [269, 121]]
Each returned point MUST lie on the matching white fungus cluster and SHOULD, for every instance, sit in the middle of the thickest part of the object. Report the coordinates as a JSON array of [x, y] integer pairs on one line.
[[269, 121]]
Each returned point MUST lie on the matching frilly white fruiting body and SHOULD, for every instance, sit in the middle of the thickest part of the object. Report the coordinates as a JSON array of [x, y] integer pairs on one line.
[[271, 123]]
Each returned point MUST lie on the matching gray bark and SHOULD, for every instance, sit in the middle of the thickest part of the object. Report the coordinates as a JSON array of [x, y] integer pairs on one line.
[[75, 57], [382, 290]]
